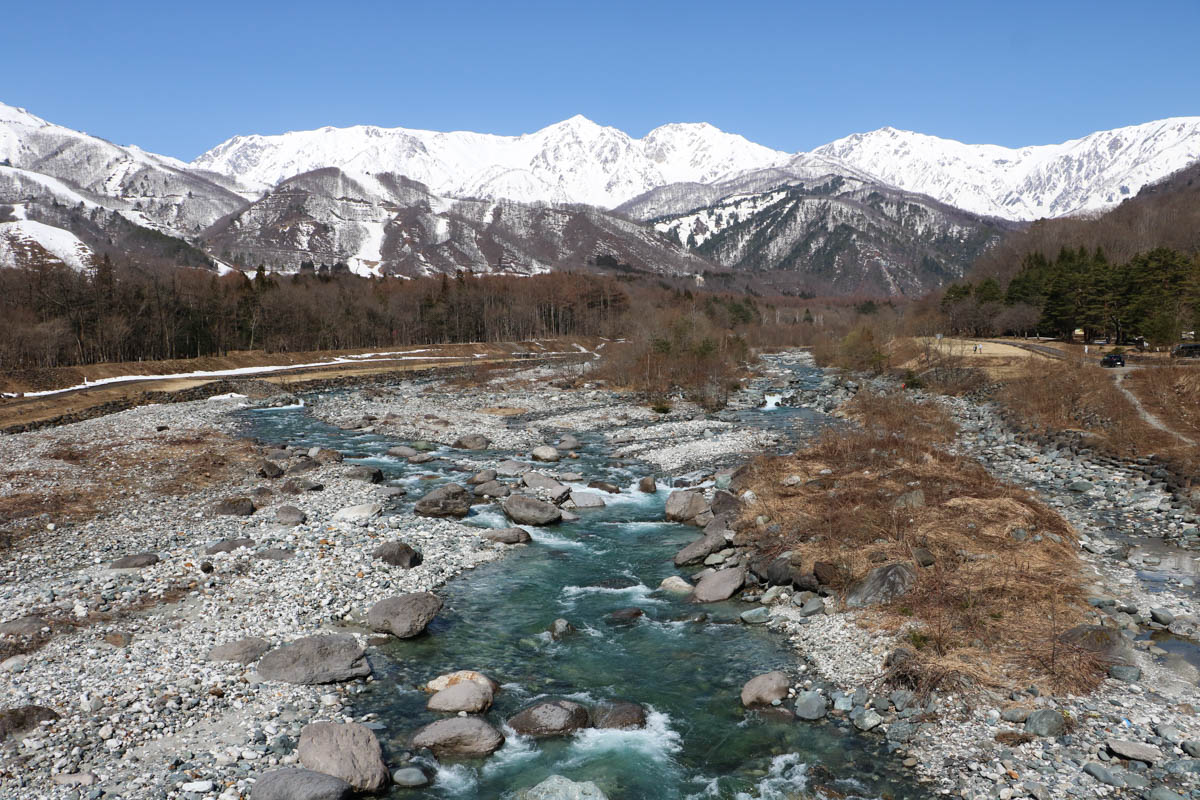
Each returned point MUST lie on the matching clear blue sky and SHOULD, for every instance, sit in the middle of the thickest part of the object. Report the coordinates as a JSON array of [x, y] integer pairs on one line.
[[178, 78]]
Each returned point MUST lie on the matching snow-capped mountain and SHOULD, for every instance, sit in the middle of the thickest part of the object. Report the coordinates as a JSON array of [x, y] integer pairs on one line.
[[1088, 174], [578, 161], [837, 235], [574, 161], [38, 158], [385, 224]]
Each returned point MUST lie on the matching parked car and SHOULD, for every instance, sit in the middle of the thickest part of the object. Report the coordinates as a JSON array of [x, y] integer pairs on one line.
[[1113, 360], [1186, 350]]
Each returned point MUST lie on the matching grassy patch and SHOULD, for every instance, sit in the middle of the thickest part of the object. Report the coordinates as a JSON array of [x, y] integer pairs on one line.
[[1005, 579]]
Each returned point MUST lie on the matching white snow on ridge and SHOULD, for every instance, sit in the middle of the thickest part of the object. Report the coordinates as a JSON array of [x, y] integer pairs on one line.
[[17, 237], [572, 161], [578, 161], [1091, 173]]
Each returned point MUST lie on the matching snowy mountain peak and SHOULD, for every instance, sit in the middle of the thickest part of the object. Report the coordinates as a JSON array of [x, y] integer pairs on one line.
[[14, 115], [573, 161], [1090, 173]]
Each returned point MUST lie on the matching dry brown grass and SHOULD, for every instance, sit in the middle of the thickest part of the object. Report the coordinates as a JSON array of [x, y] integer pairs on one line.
[[988, 603], [1082, 397], [1170, 393]]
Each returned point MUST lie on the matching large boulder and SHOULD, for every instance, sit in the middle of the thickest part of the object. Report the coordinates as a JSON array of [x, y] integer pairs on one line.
[[326, 658], [763, 690], [1045, 722], [568, 442], [556, 787], [290, 516], [549, 718], [402, 451], [882, 584], [811, 705], [459, 737], [700, 549], [482, 477], [398, 554], [507, 535], [587, 500], [468, 696], [404, 616], [136, 561], [293, 783], [720, 585], [228, 546], [491, 489], [24, 718], [235, 507], [359, 513], [725, 504], [622, 715], [782, 572], [1134, 751], [685, 506], [544, 453], [243, 651], [364, 472], [525, 510], [344, 750], [1108, 643], [472, 441], [647, 485], [463, 675], [447, 500], [323, 455], [553, 489]]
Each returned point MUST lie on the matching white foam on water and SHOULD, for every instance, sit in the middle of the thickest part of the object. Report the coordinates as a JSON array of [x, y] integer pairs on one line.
[[786, 776], [657, 742], [640, 593], [771, 402], [554, 540], [674, 628], [457, 780], [517, 749], [490, 518], [228, 396]]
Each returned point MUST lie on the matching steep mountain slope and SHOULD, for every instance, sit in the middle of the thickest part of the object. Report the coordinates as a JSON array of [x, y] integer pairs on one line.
[[155, 191], [25, 243], [1163, 214], [1092, 173], [574, 161], [385, 224], [838, 235]]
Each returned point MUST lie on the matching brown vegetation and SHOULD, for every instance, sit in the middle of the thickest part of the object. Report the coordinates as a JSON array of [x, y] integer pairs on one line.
[[1004, 581], [1172, 394], [99, 477], [1067, 396]]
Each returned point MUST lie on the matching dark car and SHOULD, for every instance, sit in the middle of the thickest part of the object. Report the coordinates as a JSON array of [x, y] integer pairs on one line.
[[1186, 350], [1113, 360]]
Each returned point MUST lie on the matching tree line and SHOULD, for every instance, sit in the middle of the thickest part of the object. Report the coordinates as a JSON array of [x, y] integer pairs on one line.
[[1154, 295], [54, 316]]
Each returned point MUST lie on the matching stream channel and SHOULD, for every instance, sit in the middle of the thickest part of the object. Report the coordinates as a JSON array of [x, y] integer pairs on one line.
[[686, 663]]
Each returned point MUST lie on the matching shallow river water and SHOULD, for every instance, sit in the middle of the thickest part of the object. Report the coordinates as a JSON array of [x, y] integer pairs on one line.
[[686, 663]]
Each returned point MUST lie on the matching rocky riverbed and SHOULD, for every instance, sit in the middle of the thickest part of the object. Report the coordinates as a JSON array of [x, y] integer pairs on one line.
[[114, 627]]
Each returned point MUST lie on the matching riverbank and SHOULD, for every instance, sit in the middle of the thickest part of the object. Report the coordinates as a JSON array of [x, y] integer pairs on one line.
[[1140, 589], [122, 656]]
